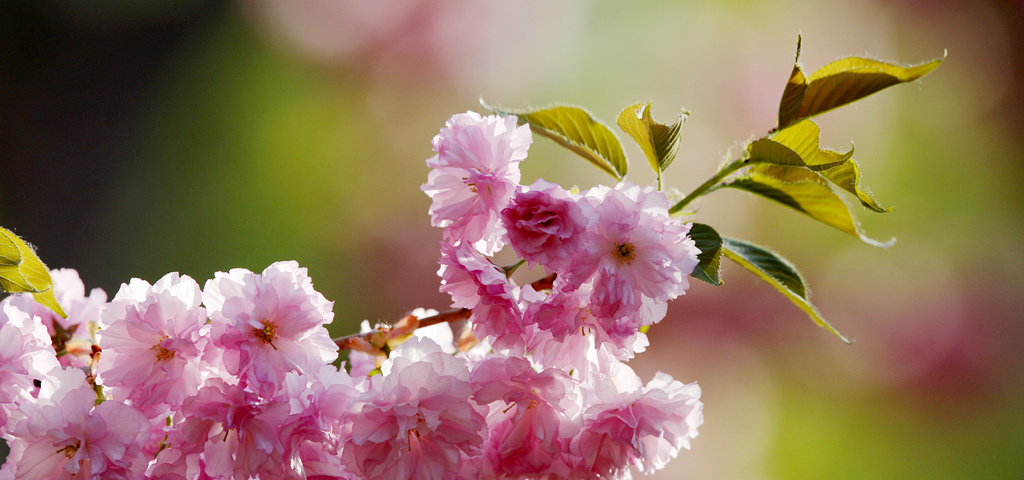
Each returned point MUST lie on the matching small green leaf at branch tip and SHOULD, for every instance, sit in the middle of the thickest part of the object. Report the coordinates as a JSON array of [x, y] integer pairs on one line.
[[574, 128], [21, 271], [793, 95], [842, 82], [709, 261], [779, 273], [658, 142]]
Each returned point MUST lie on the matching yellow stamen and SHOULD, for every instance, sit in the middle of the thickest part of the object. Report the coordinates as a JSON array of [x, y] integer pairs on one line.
[[162, 354], [267, 334]]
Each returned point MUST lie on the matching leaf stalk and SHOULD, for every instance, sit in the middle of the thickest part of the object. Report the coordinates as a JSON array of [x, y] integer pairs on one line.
[[709, 185]]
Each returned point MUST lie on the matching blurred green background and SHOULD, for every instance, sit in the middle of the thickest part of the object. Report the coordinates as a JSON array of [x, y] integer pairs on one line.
[[139, 137]]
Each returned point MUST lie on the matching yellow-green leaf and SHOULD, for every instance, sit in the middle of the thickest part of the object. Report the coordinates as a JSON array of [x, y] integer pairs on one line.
[[709, 261], [658, 142], [779, 273], [797, 146], [847, 177], [576, 129], [21, 271], [805, 191], [848, 80]]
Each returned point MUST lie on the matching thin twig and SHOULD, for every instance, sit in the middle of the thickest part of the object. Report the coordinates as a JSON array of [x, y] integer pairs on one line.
[[447, 316]]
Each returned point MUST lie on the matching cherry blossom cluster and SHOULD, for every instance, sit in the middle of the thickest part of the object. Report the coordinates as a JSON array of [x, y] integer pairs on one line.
[[236, 379]]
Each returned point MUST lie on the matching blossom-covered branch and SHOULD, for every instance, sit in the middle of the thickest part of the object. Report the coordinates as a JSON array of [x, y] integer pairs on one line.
[[234, 379]]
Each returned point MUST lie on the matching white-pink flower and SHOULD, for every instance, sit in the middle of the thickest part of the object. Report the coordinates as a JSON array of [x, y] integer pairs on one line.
[[25, 356], [416, 420], [474, 282], [154, 340], [626, 423], [474, 175], [269, 324], [71, 336], [63, 436]]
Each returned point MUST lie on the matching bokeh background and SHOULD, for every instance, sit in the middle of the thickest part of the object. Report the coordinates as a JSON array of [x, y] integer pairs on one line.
[[139, 137]]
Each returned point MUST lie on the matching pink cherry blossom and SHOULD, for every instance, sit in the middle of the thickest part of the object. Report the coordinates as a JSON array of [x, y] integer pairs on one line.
[[474, 282], [627, 424], [320, 404], [634, 248], [269, 324], [474, 175], [71, 336], [532, 417], [154, 339], [63, 436], [25, 356], [415, 421], [237, 433]]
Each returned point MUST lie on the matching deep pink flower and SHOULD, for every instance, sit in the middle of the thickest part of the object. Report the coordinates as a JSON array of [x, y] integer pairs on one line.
[[531, 420], [634, 247], [473, 176], [562, 312], [269, 324], [570, 322], [416, 420], [237, 433], [154, 339], [544, 224]]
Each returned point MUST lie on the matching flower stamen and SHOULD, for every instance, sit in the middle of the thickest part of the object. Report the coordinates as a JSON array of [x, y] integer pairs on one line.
[[162, 354], [267, 334], [625, 253], [70, 450]]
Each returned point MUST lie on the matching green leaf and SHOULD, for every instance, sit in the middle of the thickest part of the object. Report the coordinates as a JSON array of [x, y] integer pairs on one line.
[[659, 142], [842, 82], [793, 95], [576, 129], [805, 191], [709, 261], [21, 271], [796, 145], [779, 273]]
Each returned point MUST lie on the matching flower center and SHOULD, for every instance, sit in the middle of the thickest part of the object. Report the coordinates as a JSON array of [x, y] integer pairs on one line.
[[162, 354], [70, 450], [268, 333], [625, 253]]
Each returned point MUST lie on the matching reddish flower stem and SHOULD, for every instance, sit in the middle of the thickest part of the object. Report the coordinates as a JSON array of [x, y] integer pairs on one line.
[[345, 342]]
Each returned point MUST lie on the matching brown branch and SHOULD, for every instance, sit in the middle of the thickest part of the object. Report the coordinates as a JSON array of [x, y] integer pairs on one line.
[[347, 342]]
